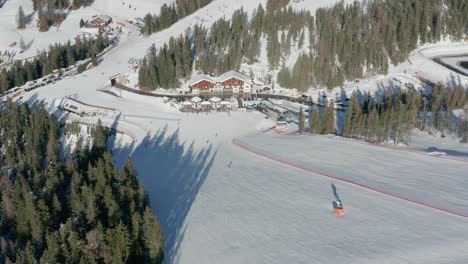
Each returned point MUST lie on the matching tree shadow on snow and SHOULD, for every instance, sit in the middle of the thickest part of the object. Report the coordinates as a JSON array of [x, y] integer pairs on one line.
[[172, 173], [455, 80], [448, 152]]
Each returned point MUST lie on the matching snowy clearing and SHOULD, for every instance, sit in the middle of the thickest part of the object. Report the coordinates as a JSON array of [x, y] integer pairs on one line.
[[69, 29]]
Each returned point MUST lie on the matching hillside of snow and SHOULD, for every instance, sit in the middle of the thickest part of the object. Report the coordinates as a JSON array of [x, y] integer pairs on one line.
[[227, 190], [274, 213], [69, 29], [419, 63], [120, 10], [220, 202]]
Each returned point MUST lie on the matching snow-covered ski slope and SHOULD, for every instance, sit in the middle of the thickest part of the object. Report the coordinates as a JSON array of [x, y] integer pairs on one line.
[[68, 30], [220, 203], [120, 10], [418, 63], [268, 212]]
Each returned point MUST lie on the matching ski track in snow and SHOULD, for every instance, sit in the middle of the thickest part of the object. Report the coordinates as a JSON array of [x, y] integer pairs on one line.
[[395, 148], [360, 184], [253, 209]]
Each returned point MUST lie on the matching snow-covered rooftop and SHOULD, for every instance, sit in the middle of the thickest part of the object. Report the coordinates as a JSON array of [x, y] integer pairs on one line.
[[196, 99], [226, 103], [215, 99], [89, 31], [202, 77], [223, 77], [234, 74]]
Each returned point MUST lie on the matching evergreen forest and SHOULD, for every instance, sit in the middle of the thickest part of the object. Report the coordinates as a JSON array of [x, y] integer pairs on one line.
[[344, 42], [68, 206], [393, 116], [56, 57]]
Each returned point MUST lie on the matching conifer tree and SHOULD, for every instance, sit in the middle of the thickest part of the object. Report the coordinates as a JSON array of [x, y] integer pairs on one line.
[[152, 237], [301, 121], [423, 125], [463, 129], [82, 23], [353, 114], [328, 118], [43, 22], [21, 18], [273, 49], [316, 121]]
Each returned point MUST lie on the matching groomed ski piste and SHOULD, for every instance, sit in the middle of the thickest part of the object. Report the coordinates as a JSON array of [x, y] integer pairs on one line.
[[227, 189]]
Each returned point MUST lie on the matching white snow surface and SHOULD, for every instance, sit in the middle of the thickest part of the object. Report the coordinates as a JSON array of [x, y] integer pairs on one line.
[[218, 203], [420, 63], [313, 5], [69, 29]]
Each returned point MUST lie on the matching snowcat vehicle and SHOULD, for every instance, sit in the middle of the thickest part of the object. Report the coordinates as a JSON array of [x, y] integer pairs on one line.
[[338, 208]]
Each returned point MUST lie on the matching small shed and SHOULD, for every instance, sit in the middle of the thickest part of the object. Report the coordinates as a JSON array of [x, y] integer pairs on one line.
[[215, 101], [196, 102], [186, 106], [206, 106], [225, 105]]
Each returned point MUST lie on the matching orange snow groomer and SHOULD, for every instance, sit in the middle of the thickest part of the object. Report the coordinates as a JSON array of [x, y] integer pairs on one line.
[[338, 208]]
